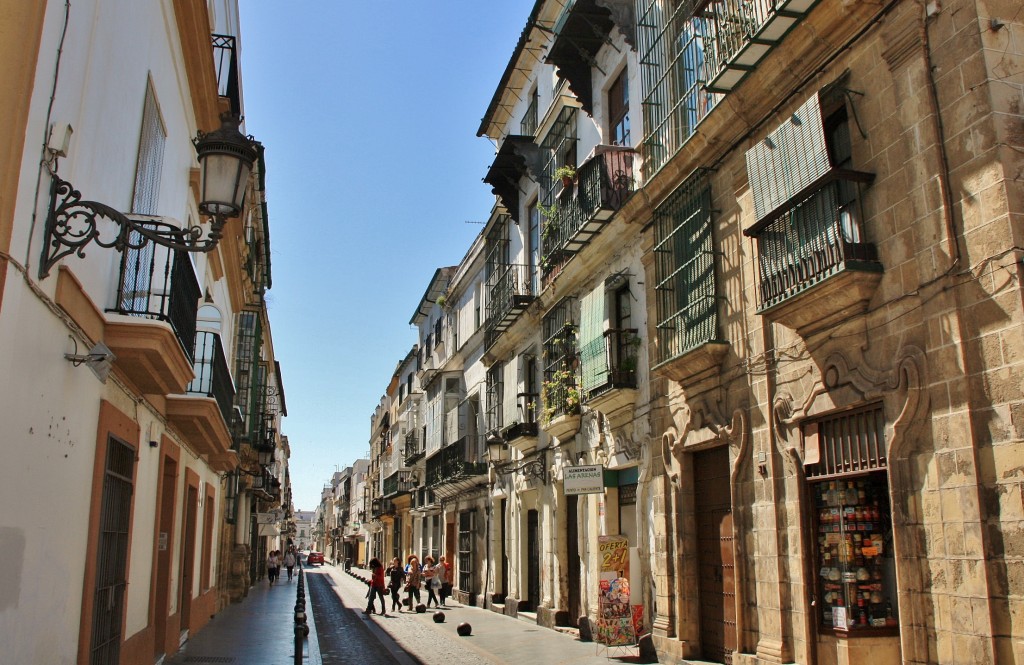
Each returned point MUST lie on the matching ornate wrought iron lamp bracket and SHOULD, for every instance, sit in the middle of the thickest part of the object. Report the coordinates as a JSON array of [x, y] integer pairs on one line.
[[534, 468], [71, 223]]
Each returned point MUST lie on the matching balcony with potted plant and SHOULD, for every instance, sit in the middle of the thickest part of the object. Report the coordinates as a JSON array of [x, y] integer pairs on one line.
[[560, 395], [610, 373], [522, 432], [596, 190]]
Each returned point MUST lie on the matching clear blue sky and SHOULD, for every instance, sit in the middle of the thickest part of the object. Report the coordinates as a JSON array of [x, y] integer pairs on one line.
[[369, 112]]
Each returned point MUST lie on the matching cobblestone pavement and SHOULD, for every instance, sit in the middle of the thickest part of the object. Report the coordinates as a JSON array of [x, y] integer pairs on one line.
[[416, 638]]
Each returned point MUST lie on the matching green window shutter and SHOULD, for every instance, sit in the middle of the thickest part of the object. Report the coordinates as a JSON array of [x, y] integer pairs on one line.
[[792, 157], [592, 346]]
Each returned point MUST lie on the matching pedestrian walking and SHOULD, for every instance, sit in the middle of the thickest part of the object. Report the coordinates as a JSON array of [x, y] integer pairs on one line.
[[376, 587], [272, 566], [289, 563], [441, 574], [396, 576], [413, 574], [431, 581]]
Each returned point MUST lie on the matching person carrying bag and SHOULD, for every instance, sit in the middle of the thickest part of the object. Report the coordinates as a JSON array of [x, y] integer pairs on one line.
[[413, 574]]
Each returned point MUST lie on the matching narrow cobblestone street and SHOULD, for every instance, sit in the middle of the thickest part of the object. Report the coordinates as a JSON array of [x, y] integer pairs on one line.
[[259, 631]]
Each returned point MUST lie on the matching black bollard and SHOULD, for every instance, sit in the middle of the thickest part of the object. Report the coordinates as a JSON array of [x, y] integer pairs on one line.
[[299, 635]]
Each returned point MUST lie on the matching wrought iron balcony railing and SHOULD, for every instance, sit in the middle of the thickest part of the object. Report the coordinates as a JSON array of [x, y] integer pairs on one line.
[[814, 240], [620, 348], [382, 508], [161, 284], [226, 62], [413, 447], [526, 423], [741, 32], [510, 290], [457, 461], [400, 482], [603, 183], [213, 378]]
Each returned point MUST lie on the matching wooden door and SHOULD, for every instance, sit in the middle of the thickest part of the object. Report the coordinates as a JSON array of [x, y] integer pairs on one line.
[[188, 557], [533, 560], [112, 561], [716, 567], [165, 544], [572, 572]]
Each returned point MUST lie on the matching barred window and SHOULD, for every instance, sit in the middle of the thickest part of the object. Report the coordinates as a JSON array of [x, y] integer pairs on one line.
[[560, 390], [684, 261], [528, 126], [671, 42], [561, 144]]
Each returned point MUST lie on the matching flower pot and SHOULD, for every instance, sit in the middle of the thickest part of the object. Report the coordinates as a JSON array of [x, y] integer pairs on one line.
[[566, 181]]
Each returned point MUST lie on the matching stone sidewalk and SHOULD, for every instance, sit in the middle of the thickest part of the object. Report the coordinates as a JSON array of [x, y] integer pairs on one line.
[[257, 631]]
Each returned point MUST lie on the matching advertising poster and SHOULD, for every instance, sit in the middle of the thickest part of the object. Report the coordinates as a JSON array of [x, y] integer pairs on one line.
[[614, 552], [615, 619]]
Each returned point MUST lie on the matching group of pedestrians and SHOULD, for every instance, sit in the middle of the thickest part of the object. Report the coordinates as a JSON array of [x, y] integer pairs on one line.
[[275, 560], [409, 578]]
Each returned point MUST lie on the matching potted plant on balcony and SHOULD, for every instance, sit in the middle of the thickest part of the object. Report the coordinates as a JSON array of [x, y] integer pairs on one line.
[[566, 174], [562, 401]]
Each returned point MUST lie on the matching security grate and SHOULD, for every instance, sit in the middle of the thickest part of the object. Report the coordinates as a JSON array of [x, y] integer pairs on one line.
[[671, 41], [848, 443], [686, 285]]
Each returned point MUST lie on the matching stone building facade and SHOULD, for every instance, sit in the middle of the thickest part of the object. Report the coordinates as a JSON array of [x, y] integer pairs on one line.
[[786, 322]]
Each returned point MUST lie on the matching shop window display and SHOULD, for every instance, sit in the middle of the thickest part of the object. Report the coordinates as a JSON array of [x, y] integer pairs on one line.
[[854, 559]]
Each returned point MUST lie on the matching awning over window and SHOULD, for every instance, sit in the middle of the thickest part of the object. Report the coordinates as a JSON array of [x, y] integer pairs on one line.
[[792, 163], [579, 34], [518, 156]]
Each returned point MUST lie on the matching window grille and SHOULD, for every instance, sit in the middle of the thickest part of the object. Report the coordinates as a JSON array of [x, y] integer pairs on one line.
[[467, 521], [495, 397], [561, 142], [560, 382], [848, 443], [671, 44], [528, 126], [807, 202], [247, 348], [685, 282]]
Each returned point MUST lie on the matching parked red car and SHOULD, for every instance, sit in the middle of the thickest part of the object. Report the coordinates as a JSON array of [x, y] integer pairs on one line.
[[315, 557]]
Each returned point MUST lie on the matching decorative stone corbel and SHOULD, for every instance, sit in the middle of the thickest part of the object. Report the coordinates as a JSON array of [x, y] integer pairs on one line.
[[867, 383]]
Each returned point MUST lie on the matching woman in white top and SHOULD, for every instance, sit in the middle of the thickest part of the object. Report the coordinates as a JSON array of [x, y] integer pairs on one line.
[[441, 575], [433, 583]]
